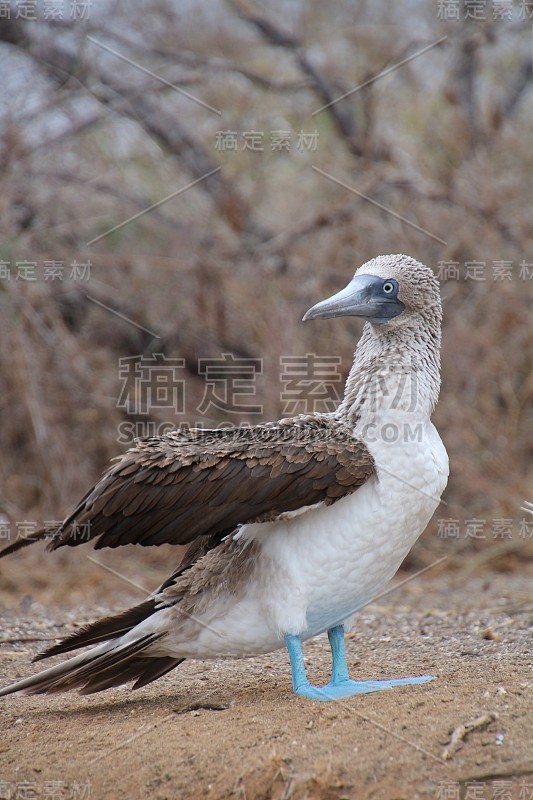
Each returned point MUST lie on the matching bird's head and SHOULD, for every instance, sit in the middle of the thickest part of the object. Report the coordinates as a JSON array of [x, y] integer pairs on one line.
[[386, 291]]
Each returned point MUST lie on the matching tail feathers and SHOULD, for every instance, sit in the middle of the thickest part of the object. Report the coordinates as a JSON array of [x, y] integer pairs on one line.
[[18, 544], [142, 671], [102, 630], [108, 665]]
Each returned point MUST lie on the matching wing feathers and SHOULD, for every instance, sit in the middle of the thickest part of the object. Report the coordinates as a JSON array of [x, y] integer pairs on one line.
[[205, 483]]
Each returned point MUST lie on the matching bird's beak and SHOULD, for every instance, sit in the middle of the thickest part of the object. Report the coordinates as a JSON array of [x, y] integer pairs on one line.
[[363, 297]]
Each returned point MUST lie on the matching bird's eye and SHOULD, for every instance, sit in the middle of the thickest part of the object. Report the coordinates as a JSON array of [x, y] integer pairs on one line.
[[388, 287]]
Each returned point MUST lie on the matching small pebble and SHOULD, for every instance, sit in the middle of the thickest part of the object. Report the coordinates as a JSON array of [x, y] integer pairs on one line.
[[490, 634]]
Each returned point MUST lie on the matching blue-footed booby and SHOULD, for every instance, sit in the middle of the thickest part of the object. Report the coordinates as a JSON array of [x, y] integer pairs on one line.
[[291, 526]]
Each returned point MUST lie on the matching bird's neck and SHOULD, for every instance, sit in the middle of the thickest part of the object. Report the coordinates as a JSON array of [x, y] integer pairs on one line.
[[395, 372]]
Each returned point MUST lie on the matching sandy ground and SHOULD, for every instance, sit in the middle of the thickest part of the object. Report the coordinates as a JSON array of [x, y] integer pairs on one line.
[[234, 730]]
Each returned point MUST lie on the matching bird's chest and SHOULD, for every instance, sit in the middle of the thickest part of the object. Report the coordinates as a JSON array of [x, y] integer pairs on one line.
[[411, 468], [335, 559]]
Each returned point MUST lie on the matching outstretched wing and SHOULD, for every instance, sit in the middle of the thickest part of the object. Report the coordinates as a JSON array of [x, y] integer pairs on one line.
[[185, 485]]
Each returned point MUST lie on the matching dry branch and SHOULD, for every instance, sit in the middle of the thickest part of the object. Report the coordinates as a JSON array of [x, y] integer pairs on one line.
[[344, 121], [64, 62], [460, 732]]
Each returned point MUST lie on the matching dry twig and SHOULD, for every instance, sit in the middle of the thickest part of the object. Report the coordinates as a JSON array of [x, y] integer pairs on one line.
[[460, 732]]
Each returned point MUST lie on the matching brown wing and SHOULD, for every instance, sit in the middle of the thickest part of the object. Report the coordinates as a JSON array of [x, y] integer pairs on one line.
[[181, 486]]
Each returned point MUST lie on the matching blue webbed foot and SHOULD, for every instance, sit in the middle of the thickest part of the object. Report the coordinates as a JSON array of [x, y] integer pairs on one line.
[[347, 688], [315, 692], [362, 687]]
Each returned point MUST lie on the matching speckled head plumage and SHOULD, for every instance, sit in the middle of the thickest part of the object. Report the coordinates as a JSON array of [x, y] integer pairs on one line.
[[418, 288], [387, 291]]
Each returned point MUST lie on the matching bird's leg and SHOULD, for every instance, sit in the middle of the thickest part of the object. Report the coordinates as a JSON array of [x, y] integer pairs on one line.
[[340, 684], [300, 682], [339, 670]]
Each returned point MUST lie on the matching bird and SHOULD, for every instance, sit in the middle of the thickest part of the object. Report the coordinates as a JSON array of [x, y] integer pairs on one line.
[[291, 526]]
